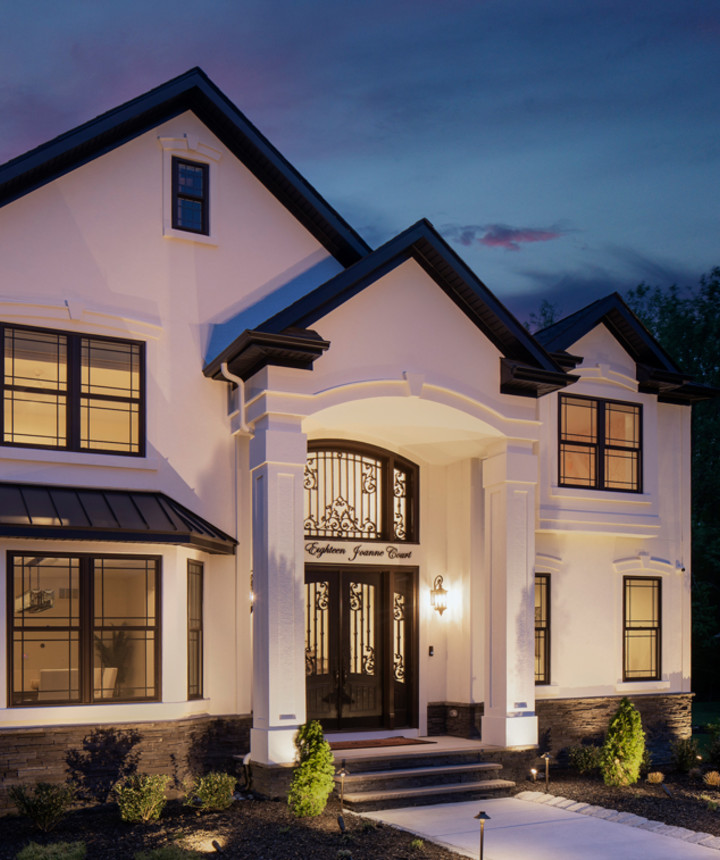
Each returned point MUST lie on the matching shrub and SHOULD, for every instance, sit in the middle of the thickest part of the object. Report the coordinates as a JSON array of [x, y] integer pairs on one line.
[[213, 792], [585, 759], [45, 805], [712, 778], [168, 852], [141, 797], [312, 779], [684, 754], [107, 755], [622, 752], [56, 851], [656, 777]]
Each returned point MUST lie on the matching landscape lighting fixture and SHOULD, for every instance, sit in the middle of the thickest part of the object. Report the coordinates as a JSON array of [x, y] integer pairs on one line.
[[482, 816]]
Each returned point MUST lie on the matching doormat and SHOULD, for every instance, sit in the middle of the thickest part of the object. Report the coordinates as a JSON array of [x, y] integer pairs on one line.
[[376, 742]]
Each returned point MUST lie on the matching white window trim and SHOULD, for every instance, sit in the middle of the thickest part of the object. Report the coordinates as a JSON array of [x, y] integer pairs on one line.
[[190, 147]]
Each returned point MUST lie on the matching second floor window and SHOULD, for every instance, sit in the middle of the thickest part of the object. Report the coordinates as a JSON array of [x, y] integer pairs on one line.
[[359, 493], [190, 210], [600, 444], [72, 392]]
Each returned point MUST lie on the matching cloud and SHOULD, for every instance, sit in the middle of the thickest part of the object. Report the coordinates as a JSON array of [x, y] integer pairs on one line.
[[499, 235]]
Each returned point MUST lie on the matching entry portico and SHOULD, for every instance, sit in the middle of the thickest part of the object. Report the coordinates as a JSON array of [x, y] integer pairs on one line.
[[472, 450]]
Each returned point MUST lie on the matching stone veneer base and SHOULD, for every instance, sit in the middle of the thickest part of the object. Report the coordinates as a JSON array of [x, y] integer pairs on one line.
[[570, 722], [179, 748]]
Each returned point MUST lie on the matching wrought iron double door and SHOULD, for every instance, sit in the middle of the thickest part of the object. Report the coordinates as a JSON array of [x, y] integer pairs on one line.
[[360, 647]]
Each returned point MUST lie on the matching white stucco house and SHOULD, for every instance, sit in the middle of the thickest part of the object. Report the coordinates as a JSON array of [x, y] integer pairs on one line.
[[254, 472]]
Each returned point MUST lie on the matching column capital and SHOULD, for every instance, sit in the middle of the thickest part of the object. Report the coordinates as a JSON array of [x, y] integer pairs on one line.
[[278, 439], [514, 465]]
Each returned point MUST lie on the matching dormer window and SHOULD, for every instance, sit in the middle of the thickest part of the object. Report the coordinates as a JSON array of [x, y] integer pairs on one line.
[[600, 444], [190, 191]]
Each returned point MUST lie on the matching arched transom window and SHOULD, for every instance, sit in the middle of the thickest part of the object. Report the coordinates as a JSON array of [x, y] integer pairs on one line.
[[360, 493]]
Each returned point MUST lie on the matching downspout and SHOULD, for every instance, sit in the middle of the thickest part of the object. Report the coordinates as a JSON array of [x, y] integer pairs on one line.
[[242, 430], [240, 382]]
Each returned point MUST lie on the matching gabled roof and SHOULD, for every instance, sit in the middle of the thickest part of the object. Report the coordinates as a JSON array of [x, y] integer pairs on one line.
[[86, 513], [527, 369], [195, 92], [656, 372]]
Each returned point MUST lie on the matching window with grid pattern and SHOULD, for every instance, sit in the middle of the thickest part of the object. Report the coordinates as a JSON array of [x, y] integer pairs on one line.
[[191, 197], [83, 629], [542, 628], [63, 390], [641, 616], [600, 444], [195, 629]]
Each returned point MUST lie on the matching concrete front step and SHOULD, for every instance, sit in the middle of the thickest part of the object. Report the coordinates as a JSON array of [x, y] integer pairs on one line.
[[385, 782], [424, 795]]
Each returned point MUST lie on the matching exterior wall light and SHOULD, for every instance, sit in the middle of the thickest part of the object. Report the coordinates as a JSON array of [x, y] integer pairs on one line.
[[438, 595]]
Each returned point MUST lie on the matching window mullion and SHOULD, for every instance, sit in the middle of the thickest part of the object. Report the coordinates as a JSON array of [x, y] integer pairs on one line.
[[73, 392], [600, 458], [87, 628]]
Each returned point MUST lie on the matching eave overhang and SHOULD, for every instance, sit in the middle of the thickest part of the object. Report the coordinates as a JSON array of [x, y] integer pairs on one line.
[[526, 381], [253, 350], [672, 387], [44, 512]]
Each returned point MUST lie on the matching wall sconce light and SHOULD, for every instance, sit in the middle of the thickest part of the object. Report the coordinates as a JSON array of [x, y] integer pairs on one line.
[[438, 595], [251, 595]]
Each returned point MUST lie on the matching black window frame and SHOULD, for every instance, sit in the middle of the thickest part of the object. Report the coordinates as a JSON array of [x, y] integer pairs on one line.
[[179, 193], [389, 462], [195, 630], [654, 628], [542, 630], [75, 397], [601, 446], [86, 629]]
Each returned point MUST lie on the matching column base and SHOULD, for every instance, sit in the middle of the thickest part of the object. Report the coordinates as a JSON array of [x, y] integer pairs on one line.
[[510, 731], [273, 745]]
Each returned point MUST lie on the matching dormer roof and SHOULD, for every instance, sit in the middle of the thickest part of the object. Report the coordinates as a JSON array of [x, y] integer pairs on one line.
[[656, 372]]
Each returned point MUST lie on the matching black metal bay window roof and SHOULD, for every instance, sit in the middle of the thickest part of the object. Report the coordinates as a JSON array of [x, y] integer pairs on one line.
[[82, 513]]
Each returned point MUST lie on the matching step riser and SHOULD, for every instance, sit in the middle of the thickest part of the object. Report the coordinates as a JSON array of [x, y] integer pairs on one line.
[[425, 800], [415, 760], [399, 782]]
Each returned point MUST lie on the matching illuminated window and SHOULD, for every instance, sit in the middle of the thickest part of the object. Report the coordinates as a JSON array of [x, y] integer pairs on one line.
[[542, 628], [195, 629], [600, 445], [68, 391], [641, 613], [190, 190], [83, 629], [359, 493]]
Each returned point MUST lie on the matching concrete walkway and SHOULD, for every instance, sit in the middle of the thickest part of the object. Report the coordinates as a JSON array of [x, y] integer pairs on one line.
[[538, 826]]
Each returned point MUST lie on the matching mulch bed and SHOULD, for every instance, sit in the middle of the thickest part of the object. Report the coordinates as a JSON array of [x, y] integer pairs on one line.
[[266, 830], [252, 829], [689, 802]]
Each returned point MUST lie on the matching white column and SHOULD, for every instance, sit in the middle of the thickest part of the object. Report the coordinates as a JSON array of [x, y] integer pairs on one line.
[[277, 461], [510, 480]]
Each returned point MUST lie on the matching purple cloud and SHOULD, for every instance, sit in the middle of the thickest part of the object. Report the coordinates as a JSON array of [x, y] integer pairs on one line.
[[499, 235]]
